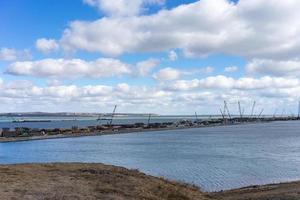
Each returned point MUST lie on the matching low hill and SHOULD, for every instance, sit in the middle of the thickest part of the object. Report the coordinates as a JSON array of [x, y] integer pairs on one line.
[[97, 181], [88, 181]]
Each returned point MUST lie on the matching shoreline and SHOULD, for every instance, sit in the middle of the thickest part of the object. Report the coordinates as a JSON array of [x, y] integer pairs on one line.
[[282, 190], [100, 181], [111, 132]]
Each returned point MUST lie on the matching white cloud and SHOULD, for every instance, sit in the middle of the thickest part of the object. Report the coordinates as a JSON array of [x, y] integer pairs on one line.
[[93, 98], [121, 8], [78, 68], [207, 70], [228, 83], [199, 29], [69, 68], [274, 67], [269, 92], [117, 7], [167, 74], [53, 82], [265, 33], [8, 54], [172, 56], [145, 67], [46, 45], [231, 69]]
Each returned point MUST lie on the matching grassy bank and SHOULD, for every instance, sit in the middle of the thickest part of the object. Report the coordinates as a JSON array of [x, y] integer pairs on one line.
[[282, 191], [98, 181], [87, 181]]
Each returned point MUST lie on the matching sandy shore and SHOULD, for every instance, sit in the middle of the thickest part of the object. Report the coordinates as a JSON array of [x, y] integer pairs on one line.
[[98, 181]]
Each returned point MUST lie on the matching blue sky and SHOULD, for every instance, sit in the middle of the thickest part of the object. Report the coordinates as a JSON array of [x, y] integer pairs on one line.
[[168, 57], [28, 20]]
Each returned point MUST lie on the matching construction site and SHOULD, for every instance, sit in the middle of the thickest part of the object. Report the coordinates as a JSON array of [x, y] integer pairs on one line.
[[106, 124]]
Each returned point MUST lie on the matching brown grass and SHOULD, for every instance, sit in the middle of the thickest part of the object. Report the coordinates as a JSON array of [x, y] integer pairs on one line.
[[283, 191], [98, 181], [88, 181]]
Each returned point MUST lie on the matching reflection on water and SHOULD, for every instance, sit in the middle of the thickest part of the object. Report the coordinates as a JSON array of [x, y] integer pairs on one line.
[[212, 158]]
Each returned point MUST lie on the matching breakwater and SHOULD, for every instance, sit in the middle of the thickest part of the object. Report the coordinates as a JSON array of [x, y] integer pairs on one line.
[[25, 133]]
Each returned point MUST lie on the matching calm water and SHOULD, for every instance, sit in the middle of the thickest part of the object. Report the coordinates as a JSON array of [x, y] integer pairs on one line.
[[212, 158]]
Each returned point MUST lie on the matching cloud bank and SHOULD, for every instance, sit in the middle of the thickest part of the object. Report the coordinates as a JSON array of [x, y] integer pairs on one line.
[[252, 29]]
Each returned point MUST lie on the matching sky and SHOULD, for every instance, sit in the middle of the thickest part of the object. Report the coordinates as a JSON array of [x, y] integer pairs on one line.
[[149, 56]]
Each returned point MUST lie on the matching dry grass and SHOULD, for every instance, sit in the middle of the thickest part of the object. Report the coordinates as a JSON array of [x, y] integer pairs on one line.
[[88, 181], [284, 191], [98, 181]]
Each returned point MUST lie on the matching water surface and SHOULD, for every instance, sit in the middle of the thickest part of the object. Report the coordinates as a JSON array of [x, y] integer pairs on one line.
[[213, 158]]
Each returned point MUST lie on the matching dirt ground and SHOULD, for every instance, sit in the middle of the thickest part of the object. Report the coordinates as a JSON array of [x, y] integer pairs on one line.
[[97, 181]]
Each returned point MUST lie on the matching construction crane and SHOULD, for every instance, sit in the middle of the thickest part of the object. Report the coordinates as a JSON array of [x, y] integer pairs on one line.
[[196, 116], [240, 110], [226, 109], [112, 115], [274, 115], [149, 118], [282, 113], [222, 114], [252, 110], [262, 110]]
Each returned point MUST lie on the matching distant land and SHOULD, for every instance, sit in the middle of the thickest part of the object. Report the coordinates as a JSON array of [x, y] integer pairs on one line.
[[70, 114]]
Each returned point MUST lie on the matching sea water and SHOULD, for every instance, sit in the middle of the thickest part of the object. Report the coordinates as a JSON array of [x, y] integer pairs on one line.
[[214, 158]]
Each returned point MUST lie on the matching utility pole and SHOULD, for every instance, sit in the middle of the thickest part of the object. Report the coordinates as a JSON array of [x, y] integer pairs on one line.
[[252, 110], [112, 115]]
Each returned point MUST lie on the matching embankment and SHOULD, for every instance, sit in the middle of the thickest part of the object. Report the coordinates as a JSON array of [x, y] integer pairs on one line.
[[98, 181]]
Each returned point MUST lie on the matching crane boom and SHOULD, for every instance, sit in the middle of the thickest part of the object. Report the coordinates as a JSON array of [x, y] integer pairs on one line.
[[112, 116], [253, 107]]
